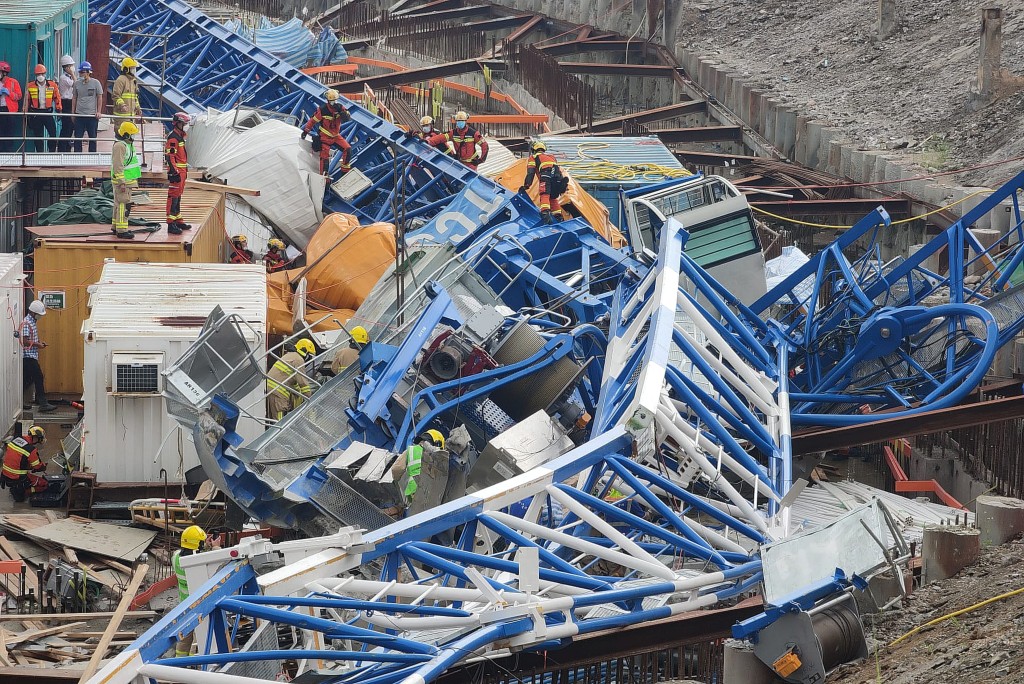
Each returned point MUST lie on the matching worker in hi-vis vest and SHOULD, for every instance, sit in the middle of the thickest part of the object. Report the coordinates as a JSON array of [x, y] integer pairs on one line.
[[413, 462], [125, 172], [287, 385], [192, 540]]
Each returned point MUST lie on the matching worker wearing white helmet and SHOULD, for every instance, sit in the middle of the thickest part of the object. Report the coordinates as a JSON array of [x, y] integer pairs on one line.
[[325, 126], [470, 146], [30, 346], [66, 86]]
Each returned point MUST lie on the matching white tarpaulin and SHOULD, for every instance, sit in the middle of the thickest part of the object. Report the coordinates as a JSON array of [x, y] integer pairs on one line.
[[267, 155]]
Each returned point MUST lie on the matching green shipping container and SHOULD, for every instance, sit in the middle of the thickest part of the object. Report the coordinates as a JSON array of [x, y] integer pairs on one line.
[[41, 32]]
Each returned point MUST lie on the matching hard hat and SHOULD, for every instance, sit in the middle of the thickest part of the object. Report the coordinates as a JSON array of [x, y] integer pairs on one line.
[[128, 63], [360, 335], [67, 60], [305, 347], [85, 66], [40, 69], [434, 437], [275, 243], [331, 95], [539, 146], [36, 431], [192, 537], [182, 118], [37, 307], [426, 121], [4, 66], [461, 116], [127, 128], [239, 238]]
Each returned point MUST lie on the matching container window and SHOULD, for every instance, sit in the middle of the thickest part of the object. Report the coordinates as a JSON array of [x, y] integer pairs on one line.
[[76, 39], [58, 50]]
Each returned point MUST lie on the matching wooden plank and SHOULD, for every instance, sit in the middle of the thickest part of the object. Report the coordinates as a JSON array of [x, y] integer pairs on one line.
[[217, 187], [71, 555], [74, 636], [33, 634], [3, 648], [51, 515], [115, 622], [51, 674], [74, 617]]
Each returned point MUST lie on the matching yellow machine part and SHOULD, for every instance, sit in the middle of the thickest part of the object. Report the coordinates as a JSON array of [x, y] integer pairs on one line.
[[787, 664], [592, 211], [344, 261]]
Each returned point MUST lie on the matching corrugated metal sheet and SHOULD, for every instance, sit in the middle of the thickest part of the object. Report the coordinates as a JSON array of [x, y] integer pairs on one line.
[[597, 152], [242, 149], [25, 11], [157, 309], [11, 275], [136, 300]]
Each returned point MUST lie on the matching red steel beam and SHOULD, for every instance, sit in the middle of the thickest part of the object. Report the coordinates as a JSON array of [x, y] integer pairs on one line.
[[428, 73], [524, 30], [456, 13], [574, 47], [645, 116]]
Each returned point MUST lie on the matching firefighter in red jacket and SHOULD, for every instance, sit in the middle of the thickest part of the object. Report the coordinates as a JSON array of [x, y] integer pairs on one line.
[[240, 252], [10, 96], [542, 165], [327, 120], [42, 99], [274, 258], [176, 161], [470, 146], [21, 465]]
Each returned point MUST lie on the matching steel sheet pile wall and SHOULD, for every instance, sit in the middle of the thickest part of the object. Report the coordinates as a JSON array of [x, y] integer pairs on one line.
[[13, 300]]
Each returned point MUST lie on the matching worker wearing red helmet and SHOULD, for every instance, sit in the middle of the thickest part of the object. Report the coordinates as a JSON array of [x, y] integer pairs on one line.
[[470, 146], [176, 161], [42, 100], [325, 126], [10, 96], [22, 467]]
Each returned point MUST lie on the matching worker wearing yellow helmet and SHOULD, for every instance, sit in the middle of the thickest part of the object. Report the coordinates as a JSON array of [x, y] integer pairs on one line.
[[192, 539], [470, 148], [125, 172], [287, 383], [23, 472], [240, 254], [274, 259], [126, 94], [348, 354], [552, 182], [411, 466], [325, 126]]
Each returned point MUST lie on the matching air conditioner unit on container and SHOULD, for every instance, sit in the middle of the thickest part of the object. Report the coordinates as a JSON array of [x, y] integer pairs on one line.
[[137, 373]]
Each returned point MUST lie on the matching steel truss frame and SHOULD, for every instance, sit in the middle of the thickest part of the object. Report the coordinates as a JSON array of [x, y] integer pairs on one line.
[[595, 539], [867, 336]]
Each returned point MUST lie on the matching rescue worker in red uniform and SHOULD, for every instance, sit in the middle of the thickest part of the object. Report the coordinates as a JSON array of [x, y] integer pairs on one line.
[[176, 161], [542, 165], [240, 253], [274, 258], [327, 120], [21, 465], [42, 99], [470, 146], [10, 96]]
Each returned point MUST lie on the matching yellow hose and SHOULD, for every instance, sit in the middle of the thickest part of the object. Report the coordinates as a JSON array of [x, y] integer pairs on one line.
[[958, 612]]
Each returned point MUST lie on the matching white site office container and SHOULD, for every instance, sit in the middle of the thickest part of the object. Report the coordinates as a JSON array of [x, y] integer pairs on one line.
[[13, 302], [142, 318]]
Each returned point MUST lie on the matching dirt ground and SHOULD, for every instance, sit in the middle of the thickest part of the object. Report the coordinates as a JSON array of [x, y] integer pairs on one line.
[[980, 646], [909, 94]]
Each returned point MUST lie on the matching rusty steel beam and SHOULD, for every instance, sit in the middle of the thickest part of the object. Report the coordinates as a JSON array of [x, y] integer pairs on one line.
[[635, 70], [464, 66], [425, 7], [855, 206], [455, 13], [966, 415], [497, 23], [712, 158], [574, 47], [525, 29], [645, 116]]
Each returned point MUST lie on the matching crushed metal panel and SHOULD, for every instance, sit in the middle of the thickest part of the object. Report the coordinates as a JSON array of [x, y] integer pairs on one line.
[[846, 543]]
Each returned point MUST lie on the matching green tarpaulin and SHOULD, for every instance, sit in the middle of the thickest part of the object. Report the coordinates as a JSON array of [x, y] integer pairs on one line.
[[88, 206]]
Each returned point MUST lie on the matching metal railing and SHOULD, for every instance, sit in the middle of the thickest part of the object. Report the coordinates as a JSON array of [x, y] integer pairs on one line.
[[21, 141]]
